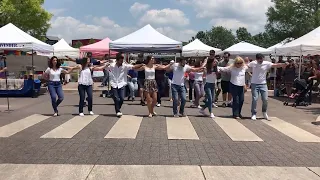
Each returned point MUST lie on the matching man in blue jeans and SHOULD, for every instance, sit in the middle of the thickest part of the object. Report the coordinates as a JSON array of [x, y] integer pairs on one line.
[[177, 87], [259, 68], [118, 80]]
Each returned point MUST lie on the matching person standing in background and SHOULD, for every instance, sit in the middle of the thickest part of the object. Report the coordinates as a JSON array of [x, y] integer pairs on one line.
[[225, 81], [198, 85], [2, 66], [132, 83], [191, 81], [160, 79], [141, 77], [170, 76], [248, 74]]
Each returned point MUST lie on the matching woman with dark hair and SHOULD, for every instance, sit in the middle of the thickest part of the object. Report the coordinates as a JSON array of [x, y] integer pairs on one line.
[[309, 74], [198, 85], [289, 74], [210, 74], [85, 82], [53, 74], [150, 84]]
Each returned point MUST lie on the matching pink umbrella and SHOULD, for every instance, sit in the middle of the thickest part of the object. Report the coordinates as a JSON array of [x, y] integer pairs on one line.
[[99, 48]]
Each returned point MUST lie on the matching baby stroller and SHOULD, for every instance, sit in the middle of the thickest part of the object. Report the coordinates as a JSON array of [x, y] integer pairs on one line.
[[301, 95]]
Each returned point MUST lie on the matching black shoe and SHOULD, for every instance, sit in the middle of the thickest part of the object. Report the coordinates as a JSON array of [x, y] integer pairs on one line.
[[128, 98], [132, 99], [224, 105]]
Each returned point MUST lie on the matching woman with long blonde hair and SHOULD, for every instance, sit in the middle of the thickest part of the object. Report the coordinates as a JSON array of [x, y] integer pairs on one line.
[[237, 84]]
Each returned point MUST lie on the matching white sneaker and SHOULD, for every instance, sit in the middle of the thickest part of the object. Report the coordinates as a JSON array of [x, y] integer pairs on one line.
[[199, 107], [214, 105], [55, 114], [176, 116], [158, 105], [91, 113], [119, 114], [212, 115], [265, 116], [254, 117], [202, 112], [81, 114]]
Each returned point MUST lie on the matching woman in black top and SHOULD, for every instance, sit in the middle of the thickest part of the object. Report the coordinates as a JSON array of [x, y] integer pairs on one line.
[[289, 74]]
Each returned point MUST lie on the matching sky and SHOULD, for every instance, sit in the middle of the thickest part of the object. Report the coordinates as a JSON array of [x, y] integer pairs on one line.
[[177, 19]]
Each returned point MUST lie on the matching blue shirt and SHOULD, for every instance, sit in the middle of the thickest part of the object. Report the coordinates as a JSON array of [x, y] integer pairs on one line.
[[132, 73], [170, 75]]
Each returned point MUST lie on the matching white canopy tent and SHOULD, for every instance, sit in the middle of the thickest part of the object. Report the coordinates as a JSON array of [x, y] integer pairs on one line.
[[307, 44], [13, 38], [244, 48], [274, 47], [62, 49], [146, 39], [197, 48]]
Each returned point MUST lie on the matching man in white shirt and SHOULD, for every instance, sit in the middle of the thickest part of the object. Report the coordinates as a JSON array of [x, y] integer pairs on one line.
[[259, 83], [118, 72], [177, 87]]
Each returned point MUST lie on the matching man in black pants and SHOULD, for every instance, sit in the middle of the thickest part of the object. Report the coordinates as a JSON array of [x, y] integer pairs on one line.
[[141, 77], [160, 78], [225, 81]]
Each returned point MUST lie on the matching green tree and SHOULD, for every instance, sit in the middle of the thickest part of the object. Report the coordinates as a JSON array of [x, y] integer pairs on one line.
[[91, 41], [243, 35], [28, 15], [292, 18], [78, 44], [220, 37]]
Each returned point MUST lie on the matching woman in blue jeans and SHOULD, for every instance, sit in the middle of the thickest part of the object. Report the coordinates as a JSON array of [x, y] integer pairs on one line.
[[210, 75], [85, 83], [53, 73], [237, 84]]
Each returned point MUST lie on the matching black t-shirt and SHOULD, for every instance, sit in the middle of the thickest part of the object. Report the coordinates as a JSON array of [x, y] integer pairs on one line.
[[160, 75], [141, 74]]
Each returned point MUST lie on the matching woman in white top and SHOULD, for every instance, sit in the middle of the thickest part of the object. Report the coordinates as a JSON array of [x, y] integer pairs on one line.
[[210, 74], [150, 84], [237, 84], [198, 85], [53, 73], [85, 83]]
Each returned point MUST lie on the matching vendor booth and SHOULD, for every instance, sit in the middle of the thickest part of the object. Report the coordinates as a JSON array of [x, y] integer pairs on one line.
[[13, 38], [197, 49], [147, 40], [63, 49], [98, 49]]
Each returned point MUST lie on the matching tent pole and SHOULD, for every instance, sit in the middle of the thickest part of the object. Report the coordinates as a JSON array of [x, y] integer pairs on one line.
[[6, 75], [300, 62], [32, 64]]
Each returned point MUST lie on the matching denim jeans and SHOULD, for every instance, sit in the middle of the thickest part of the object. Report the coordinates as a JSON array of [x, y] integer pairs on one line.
[[257, 89], [178, 92], [161, 87], [170, 90], [133, 87], [209, 89], [55, 88], [118, 96], [83, 89], [199, 91], [238, 99], [191, 89]]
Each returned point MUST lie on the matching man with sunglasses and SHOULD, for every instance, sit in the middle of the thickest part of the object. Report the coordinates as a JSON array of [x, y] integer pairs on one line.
[[225, 81], [260, 67], [118, 72]]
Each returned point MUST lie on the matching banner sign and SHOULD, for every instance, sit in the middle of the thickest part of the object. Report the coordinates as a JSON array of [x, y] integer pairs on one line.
[[11, 45]]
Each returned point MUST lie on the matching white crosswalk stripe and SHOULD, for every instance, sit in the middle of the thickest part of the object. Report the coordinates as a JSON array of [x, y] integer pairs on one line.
[[70, 128], [17, 126], [181, 128], [126, 127]]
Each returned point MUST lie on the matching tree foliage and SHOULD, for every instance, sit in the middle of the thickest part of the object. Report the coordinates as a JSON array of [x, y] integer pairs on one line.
[[292, 18], [28, 15], [91, 41], [243, 35], [78, 44]]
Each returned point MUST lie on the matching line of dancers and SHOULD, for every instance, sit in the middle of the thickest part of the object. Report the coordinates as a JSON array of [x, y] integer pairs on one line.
[[208, 70]]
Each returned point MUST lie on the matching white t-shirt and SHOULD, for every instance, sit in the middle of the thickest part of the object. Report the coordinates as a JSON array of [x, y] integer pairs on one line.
[[238, 75], [178, 73], [211, 78], [198, 76], [259, 71], [54, 75]]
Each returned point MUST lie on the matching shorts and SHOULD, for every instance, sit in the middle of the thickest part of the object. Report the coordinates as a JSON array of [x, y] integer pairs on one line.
[[225, 87], [141, 83], [150, 85]]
